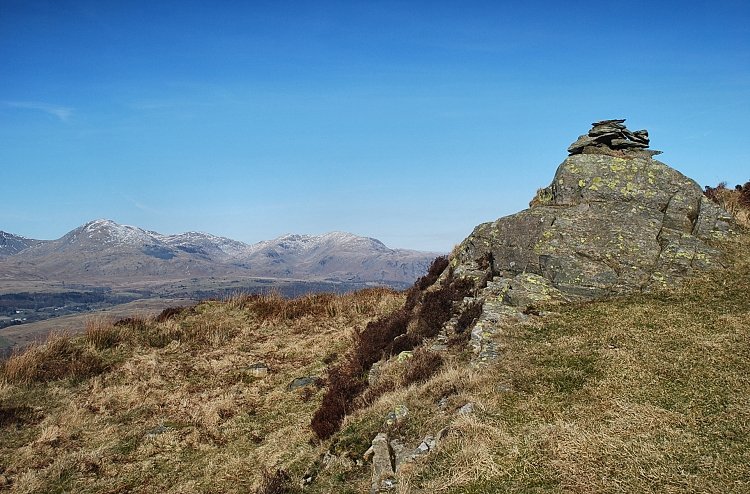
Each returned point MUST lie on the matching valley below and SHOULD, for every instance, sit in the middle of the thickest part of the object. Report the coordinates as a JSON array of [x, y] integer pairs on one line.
[[106, 270], [31, 310]]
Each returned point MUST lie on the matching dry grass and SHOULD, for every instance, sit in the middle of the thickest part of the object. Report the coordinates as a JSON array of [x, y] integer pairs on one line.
[[273, 307], [736, 201], [102, 333], [56, 358], [177, 407]]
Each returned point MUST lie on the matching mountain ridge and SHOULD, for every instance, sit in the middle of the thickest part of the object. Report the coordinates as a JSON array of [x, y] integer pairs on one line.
[[105, 250]]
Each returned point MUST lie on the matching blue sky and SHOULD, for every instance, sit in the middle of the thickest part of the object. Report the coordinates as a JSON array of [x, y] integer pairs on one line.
[[410, 122]]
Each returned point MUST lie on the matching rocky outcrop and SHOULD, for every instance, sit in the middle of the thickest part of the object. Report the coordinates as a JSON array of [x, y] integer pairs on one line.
[[613, 221]]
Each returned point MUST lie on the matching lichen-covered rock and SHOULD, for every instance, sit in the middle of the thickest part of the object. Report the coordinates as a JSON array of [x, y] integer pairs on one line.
[[383, 471], [614, 220], [607, 224]]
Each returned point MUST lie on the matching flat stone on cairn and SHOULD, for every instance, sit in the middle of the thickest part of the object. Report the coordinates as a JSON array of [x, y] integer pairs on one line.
[[606, 136]]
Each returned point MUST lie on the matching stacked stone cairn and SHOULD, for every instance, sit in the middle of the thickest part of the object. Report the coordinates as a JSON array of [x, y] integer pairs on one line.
[[612, 135]]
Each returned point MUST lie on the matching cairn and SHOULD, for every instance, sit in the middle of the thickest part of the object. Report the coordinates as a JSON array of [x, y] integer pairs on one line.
[[612, 135]]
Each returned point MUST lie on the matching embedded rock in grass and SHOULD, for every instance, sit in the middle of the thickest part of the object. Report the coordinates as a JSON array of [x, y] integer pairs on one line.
[[303, 382], [396, 416], [259, 369], [383, 472]]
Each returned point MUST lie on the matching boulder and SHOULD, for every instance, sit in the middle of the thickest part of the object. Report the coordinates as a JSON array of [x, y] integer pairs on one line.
[[613, 221], [606, 225]]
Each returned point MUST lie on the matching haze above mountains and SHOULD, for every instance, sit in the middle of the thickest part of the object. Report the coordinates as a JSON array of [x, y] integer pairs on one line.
[[105, 252]]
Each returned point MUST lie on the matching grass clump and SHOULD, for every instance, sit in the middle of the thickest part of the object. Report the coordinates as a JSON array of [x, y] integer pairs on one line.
[[278, 482], [102, 334], [56, 358]]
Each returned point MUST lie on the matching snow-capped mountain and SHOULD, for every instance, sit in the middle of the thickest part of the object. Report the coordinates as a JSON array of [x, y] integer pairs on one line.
[[105, 250], [336, 255], [206, 244], [13, 244]]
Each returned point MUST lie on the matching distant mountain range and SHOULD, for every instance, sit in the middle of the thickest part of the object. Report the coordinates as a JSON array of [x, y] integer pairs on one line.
[[105, 251]]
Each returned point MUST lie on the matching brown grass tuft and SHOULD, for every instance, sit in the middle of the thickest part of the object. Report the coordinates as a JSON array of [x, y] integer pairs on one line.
[[278, 482], [102, 334], [423, 365], [172, 312], [56, 358]]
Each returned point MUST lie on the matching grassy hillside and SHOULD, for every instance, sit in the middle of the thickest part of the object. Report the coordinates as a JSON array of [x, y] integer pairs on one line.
[[646, 393], [174, 405]]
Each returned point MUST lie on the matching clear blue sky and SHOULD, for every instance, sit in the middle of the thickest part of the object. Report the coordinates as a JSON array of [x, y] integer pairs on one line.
[[406, 121]]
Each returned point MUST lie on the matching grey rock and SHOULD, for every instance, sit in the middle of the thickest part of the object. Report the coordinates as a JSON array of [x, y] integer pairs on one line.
[[158, 430], [259, 369], [466, 409], [626, 143], [604, 230], [397, 415], [581, 143], [401, 454], [618, 122], [303, 382], [383, 468], [609, 134], [374, 373]]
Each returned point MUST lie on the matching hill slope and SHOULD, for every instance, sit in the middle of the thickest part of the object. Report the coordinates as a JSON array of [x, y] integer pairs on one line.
[[643, 393]]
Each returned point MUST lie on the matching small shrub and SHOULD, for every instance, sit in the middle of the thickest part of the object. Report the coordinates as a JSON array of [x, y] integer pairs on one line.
[[345, 382], [172, 312], [437, 306], [715, 193], [330, 358], [278, 482], [436, 269], [136, 323], [422, 366], [468, 317], [736, 202], [378, 335], [745, 195], [412, 298], [403, 343]]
